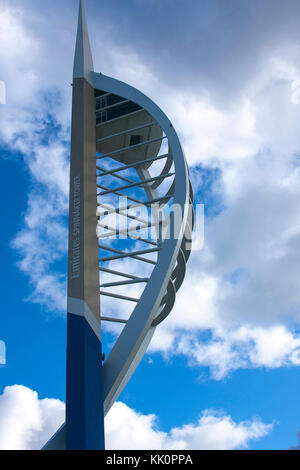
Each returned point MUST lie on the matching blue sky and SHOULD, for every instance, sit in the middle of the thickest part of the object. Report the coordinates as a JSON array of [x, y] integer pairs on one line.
[[223, 370]]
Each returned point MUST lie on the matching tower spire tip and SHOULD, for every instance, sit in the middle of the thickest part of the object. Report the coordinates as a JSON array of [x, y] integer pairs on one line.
[[83, 60]]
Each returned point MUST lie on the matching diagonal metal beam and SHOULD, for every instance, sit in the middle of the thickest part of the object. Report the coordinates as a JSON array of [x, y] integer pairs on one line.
[[118, 296], [114, 320], [124, 283], [140, 183], [117, 273], [134, 165], [134, 255], [127, 131], [131, 147]]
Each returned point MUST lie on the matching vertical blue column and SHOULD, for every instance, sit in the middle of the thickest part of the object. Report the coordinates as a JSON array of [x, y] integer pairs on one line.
[[84, 403]]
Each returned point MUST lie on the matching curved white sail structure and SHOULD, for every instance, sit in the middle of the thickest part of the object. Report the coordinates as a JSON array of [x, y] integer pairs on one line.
[[133, 131], [140, 168]]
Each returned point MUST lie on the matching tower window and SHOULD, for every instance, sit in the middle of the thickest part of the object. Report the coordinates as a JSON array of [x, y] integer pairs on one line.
[[101, 102], [135, 139], [101, 117]]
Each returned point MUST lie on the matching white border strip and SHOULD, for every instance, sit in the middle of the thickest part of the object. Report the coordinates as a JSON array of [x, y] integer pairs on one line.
[[80, 307]]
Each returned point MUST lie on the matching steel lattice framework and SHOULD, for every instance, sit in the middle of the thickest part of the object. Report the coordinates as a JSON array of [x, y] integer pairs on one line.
[[123, 146]]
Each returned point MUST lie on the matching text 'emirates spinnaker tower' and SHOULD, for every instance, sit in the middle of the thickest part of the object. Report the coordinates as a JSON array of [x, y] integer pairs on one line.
[[126, 160]]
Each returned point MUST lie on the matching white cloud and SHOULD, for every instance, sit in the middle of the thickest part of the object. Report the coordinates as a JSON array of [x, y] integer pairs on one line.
[[242, 288], [213, 136], [245, 347], [50, 167], [34, 106], [27, 422], [274, 347], [19, 52], [128, 429], [219, 432], [40, 244], [210, 337]]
